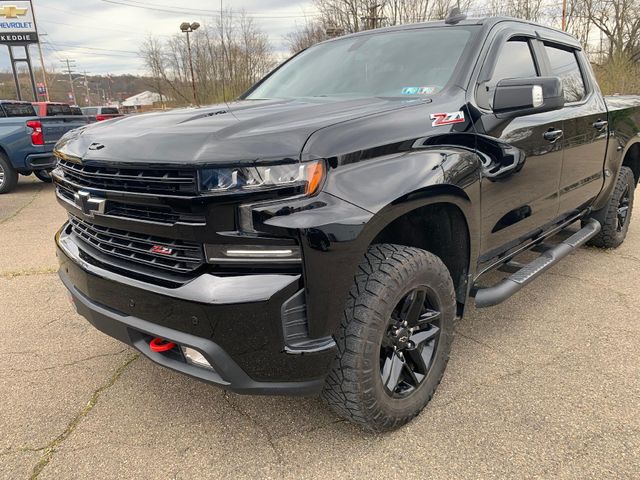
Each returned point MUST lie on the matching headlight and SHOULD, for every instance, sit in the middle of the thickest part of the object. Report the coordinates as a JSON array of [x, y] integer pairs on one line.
[[305, 177]]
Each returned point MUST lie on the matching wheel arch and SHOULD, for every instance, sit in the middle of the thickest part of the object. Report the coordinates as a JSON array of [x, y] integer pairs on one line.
[[631, 159], [437, 219], [3, 151]]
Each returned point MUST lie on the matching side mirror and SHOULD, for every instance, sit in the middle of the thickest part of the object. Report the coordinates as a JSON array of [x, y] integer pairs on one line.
[[514, 97]]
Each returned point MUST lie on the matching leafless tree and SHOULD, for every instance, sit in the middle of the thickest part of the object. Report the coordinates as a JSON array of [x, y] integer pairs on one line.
[[309, 34], [228, 57], [619, 21]]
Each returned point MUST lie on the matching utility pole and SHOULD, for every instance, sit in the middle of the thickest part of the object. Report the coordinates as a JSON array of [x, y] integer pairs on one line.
[[86, 86], [372, 21], [44, 70], [564, 15], [68, 71]]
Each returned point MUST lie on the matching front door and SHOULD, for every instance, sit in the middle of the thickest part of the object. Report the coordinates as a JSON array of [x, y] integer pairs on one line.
[[520, 203]]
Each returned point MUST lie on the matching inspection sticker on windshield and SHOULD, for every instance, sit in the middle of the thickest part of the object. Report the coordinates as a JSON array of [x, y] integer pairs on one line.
[[419, 90], [440, 119]]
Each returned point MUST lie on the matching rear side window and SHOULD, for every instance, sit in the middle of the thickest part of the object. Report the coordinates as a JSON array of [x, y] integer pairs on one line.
[[109, 111], [53, 110], [514, 61], [18, 110], [564, 64], [90, 111]]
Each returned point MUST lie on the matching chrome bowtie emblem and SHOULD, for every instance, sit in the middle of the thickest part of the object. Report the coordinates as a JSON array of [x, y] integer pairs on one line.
[[88, 204]]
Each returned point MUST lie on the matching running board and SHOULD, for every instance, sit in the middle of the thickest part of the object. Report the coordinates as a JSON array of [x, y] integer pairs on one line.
[[487, 297]]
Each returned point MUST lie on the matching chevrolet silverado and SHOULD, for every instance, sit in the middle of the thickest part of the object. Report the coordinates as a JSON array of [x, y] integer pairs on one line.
[[322, 233]]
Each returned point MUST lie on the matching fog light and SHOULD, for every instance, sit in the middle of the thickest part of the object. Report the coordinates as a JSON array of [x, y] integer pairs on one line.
[[194, 357]]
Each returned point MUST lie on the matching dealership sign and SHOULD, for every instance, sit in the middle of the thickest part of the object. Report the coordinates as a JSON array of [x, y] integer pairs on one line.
[[17, 26]]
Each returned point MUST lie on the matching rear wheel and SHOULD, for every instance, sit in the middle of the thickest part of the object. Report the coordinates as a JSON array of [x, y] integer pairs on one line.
[[8, 175], [394, 339], [43, 175], [616, 215]]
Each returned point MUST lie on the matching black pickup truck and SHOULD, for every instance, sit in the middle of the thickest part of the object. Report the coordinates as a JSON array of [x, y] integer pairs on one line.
[[322, 233]]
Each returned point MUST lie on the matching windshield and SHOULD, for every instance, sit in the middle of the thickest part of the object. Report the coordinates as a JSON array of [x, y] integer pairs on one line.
[[414, 62]]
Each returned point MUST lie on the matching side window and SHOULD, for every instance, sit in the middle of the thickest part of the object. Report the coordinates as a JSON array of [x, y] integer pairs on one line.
[[564, 64], [514, 61]]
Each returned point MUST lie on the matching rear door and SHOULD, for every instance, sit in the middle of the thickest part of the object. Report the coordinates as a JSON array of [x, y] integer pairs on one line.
[[522, 203], [584, 125]]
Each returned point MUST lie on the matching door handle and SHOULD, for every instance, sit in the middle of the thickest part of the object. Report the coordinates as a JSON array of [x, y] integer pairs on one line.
[[600, 124], [552, 135]]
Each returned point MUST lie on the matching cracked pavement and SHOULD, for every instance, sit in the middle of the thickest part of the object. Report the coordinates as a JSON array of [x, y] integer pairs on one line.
[[546, 385]]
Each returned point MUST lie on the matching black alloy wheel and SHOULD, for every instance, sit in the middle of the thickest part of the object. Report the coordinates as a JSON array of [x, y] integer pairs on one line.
[[615, 216], [623, 208], [406, 353], [394, 339]]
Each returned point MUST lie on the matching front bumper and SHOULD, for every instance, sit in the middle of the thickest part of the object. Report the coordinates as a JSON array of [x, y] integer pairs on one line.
[[235, 322]]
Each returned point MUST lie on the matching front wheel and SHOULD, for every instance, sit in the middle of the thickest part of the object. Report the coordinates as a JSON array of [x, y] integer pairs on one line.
[[43, 175], [394, 338]]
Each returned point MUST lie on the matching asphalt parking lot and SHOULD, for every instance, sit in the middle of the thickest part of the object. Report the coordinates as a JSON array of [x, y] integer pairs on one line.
[[546, 385]]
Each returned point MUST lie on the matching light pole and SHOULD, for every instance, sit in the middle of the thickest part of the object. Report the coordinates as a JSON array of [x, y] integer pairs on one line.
[[187, 28]]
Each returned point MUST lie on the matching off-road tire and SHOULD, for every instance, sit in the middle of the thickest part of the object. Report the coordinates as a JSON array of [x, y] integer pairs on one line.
[[611, 235], [43, 175], [354, 388], [9, 177]]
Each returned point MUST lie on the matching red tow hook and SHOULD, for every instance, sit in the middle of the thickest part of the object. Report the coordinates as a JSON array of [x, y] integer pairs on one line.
[[161, 345]]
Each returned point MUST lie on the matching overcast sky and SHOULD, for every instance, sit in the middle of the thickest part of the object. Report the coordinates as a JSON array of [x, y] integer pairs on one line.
[[103, 36]]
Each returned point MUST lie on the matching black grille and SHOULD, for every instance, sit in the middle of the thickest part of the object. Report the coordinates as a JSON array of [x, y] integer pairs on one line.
[[179, 256], [157, 181], [151, 213]]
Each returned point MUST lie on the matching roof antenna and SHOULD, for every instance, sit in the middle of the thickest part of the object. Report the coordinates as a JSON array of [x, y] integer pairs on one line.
[[455, 16]]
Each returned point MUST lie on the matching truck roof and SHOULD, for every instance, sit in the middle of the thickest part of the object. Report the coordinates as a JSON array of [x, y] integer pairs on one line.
[[487, 22]]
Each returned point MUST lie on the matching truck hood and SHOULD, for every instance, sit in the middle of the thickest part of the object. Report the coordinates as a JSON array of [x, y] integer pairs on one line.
[[250, 131]]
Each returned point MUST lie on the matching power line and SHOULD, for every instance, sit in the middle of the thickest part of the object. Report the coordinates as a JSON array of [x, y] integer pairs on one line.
[[97, 48], [192, 11], [76, 14], [101, 27]]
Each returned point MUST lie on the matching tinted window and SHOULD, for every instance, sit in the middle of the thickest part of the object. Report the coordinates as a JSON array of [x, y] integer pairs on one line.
[[53, 110], [109, 111], [564, 64], [415, 62], [18, 110], [514, 61]]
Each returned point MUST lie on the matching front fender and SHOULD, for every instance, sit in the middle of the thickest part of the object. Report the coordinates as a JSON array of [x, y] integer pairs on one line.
[[358, 201]]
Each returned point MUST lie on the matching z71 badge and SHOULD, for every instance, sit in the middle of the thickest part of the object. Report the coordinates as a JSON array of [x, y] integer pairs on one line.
[[440, 119]]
